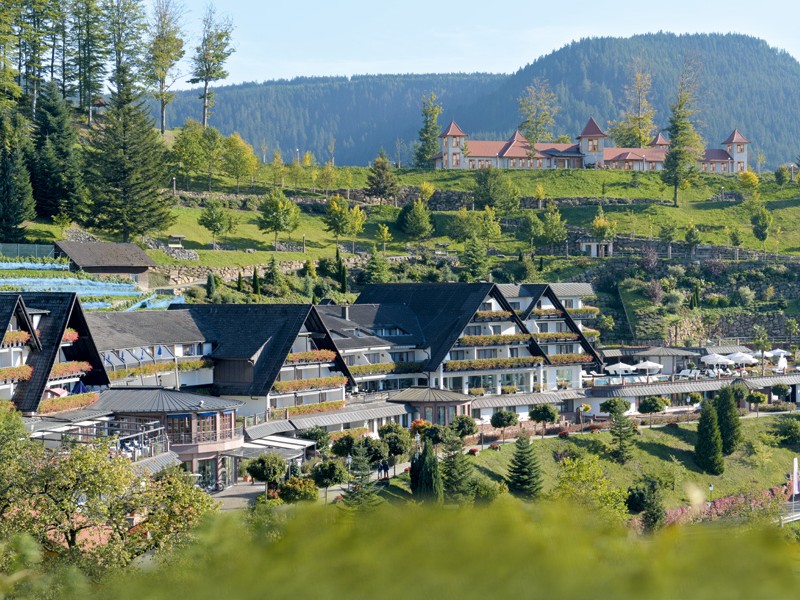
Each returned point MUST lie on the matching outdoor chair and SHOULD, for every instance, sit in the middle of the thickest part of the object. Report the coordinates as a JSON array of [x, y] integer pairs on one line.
[[685, 374]]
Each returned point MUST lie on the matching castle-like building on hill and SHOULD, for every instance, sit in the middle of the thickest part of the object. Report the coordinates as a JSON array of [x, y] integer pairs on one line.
[[590, 151]]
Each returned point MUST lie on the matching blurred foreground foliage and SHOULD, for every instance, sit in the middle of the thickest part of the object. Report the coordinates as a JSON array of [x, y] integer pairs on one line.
[[510, 548]]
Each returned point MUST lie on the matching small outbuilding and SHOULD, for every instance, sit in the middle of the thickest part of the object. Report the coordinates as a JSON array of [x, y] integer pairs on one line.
[[107, 258]]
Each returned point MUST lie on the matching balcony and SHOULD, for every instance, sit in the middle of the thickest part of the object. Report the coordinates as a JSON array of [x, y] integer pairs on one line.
[[570, 359], [493, 364], [205, 437], [547, 314], [14, 374], [494, 340], [310, 357], [12, 339], [492, 315], [69, 370], [385, 369], [302, 385]]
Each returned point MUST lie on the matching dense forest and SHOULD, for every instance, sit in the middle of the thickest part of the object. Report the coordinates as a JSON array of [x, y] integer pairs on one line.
[[744, 84]]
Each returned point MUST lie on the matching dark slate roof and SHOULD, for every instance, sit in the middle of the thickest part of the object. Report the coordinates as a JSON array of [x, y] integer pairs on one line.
[[660, 388], [159, 400], [426, 394], [156, 464], [62, 310], [527, 399], [105, 254], [442, 309], [663, 351], [357, 412], [136, 329], [725, 350], [261, 430], [368, 317], [259, 333], [10, 305], [620, 352]]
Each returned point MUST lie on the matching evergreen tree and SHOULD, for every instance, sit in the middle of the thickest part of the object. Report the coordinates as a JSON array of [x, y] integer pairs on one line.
[[456, 472], [211, 285], [381, 181], [360, 494], [429, 483], [417, 223], [622, 433], [524, 473], [653, 515], [256, 282], [474, 259], [429, 133], [377, 268], [273, 275], [730, 428], [554, 228], [239, 283], [127, 168], [708, 448], [16, 196], [56, 165], [342, 277], [685, 145]]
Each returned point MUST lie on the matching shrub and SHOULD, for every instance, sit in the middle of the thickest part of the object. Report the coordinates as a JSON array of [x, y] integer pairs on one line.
[[328, 267], [673, 300], [563, 434], [654, 291], [20, 373], [788, 429], [196, 293], [473, 451], [676, 271], [745, 296], [494, 446], [12, 338], [298, 489]]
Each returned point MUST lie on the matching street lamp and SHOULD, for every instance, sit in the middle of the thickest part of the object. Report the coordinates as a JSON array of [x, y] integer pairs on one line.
[[711, 492], [722, 193]]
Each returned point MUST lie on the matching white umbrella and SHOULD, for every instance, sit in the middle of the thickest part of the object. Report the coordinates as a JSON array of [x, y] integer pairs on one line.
[[758, 354], [716, 359], [776, 352], [648, 365], [617, 367], [740, 358]]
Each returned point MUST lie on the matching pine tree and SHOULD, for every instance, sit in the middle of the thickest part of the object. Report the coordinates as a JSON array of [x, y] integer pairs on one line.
[[622, 433], [127, 168], [653, 515], [417, 223], [16, 197], [239, 283], [342, 278], [474, 260], [708, 448], [377, 268], [256, 282], [381, 182], [360, 494], [524, 473], [456, 472], [273, 275], [429, 133], [56, 165], [730, 428], [211, 285], [429, 484]]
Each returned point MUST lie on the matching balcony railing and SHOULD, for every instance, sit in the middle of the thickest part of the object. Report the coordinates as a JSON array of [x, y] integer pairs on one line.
[[202, 437], [385, 368], [488, 364], [16, 338]]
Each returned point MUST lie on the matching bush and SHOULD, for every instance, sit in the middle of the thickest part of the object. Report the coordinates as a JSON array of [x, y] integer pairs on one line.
[[196, 293], [745, 296], [563, 434], [673, 300], [676, 271], [637, 494], [486, 492], [328, 268], [788, 429]]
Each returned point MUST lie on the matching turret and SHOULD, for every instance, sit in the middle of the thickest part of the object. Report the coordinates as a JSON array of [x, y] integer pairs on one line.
[[736, 146], [452, 141], [592, 142]]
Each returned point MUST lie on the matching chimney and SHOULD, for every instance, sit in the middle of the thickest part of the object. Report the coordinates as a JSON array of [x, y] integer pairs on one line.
[[346, 312]]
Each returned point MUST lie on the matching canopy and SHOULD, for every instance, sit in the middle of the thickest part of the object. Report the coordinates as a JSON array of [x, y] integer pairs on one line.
[[617, 367], [776, 352], [716, 359], [649, 365], [741, 358]]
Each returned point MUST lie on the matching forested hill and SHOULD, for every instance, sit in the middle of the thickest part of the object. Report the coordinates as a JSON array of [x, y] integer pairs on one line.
[[745, 84]]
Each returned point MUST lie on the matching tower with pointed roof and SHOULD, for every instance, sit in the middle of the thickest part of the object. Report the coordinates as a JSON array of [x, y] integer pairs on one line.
[[736, 146], [452, 144], [592, 141]]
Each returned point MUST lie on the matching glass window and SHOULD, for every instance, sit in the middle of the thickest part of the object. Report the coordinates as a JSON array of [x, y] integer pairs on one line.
[[473, 330], [440, 415], [458, 354], [451, 414], [487, 353]]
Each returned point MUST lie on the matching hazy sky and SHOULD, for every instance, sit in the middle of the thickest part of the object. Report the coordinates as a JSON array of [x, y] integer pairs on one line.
[[285, 39]]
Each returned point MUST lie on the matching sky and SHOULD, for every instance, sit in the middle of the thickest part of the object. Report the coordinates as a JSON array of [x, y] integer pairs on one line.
[[285, 39]]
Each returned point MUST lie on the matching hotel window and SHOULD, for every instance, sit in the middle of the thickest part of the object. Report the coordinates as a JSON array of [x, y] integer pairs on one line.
[[538, 163], [402, 357], [495, 329], [724, 167], [473, 330], [653, 166], [705, 167], [440, 415], [179, 429], [513, 164], [515, 305], [471, 164], [739, 148], [593, 145], [455, 142], [740, 167], [486, 353], [456, 160], [458, 354], [486, 306], [513, 352], [373, 357]]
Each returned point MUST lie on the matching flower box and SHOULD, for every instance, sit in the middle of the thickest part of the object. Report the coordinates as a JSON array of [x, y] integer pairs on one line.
[[53, 405], [20, 373], [306, 409], [68, 369], [485, 364], [492, 315], [379, 368], [311, 356], [70, 335], [16, 338], [568, 359], [317, 383]]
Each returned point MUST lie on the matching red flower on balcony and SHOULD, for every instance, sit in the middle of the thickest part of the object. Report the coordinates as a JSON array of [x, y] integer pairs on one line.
[[14, 338], [20, 373], [66, 369], [70, 335]]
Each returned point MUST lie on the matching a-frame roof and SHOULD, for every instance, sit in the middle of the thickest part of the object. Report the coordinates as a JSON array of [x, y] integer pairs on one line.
[[659, 140], [453, 130], [592, 129], [13, 305], [736, 137]]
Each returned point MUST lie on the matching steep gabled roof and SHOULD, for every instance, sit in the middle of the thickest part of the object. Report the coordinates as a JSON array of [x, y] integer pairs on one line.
[[142, 328], [592, 129], [62, 310], [516, 146], [370, 317], [261, 334], [659, 140], [736, 137], [13, 305], [453, 130], [105, 254], [442, 309]]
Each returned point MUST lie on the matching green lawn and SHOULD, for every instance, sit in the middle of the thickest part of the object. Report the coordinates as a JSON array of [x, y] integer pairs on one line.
[[653, 452]]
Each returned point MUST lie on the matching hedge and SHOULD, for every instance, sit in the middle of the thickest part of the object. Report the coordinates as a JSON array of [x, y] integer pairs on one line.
[[73, 367], [12, 338], [20, 373], [482, 364], [356, 432], [317, 383], [311, 356], [404, 367], [52, 405], [555, 335], [547, 312]]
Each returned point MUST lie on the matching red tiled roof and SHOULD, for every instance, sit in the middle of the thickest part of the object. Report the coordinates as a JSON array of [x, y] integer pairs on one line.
[[736, 138], [649, 154], [453, 130], [516, 146], [484, 149], [716, 155], [659, 140], [592, 129]]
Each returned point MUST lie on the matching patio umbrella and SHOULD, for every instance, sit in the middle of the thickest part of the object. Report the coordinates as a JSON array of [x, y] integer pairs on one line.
[[617, 367], [776, 352], [648, 365], [716, 359], [740, 358]]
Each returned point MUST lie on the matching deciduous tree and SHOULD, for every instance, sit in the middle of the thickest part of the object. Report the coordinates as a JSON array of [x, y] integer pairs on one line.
[[328, 473], [503, 419], [210, 56], [238, 158], [278, 214], [163, 50], [637, 126], [538, 108], [337, 217], [544, 414], [269, 468]]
